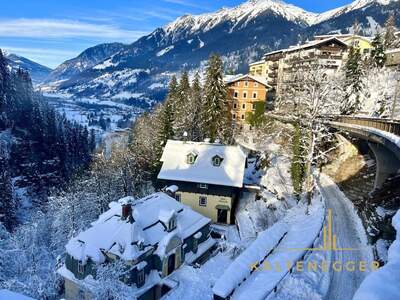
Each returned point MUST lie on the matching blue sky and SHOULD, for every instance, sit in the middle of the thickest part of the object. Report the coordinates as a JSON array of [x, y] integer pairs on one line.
[[51, 31]]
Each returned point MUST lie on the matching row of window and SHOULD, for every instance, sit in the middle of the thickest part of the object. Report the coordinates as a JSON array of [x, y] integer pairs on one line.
[[246, 84], [202, 199], [215, 160], [253, 106], [242, 116], [245, 93]]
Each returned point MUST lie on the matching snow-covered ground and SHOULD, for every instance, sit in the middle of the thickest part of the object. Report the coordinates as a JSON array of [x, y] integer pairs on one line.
[[304, 225], [350, 234], [384, 283], [259, 210]]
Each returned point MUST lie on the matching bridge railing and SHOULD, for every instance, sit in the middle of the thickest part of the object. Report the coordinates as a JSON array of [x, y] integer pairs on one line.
[[388, 125]]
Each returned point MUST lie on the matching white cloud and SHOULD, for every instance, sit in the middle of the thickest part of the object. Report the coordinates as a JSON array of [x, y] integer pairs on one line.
[[186, 3], [59, 29]]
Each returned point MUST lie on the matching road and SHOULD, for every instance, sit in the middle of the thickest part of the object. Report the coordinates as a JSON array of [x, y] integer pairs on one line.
[[350, 234]]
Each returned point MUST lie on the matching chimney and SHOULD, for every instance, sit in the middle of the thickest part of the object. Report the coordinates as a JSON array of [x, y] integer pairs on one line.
[[171, 190], [126, 211]]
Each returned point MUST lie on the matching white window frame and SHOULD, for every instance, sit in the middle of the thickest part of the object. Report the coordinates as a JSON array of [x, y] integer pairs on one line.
[[235, 105], [203, 201], [243, 117], [245, 94], [215, 160], [203, 185], [190, 159], [235, 94], [178, 197], [141, 277], [246, 83], [243, 105], [81, 267], [172, 224], [256, 95], [233, 116]]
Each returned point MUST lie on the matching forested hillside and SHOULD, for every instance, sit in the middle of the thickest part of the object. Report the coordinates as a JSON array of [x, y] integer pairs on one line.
[[39, 148]]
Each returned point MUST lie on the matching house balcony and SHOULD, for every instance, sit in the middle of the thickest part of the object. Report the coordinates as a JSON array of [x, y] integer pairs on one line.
[[273, 66]]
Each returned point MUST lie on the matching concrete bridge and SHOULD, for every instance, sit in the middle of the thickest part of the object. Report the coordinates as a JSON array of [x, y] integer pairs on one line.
[[383, 137]]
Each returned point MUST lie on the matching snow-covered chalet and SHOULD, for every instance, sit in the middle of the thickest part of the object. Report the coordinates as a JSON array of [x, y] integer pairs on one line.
[[209, 176], [154, 236]]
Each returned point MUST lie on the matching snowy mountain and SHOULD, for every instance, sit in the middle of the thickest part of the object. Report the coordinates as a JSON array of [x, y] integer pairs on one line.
[[371, 14], [140, 71], [37, 72], [87, 59]]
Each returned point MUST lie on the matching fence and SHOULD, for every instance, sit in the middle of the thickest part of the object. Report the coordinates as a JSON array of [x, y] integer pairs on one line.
[[388, 125]]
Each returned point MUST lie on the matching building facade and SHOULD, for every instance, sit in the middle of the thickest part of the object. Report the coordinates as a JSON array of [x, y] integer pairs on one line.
[[393, 58], [325, 51], [244, 93], [209, 177], [153, 236]]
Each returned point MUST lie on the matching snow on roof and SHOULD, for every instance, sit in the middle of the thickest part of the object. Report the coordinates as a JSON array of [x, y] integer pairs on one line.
[[121, 237], [229, 173], [390, 51], [257, 62], [255, 78], [9, 295], [274, 52], [312, 44], [306, 45], [229, 78]]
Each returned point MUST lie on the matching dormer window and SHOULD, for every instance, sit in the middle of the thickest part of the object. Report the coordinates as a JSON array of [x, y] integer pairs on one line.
[[217, 160], [81, 267], [172, 224], [191, 157]]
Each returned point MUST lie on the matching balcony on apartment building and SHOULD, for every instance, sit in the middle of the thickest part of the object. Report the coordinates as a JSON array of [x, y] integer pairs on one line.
[[274, 66]]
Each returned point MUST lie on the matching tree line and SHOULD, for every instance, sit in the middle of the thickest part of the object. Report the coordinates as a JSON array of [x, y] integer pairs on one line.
[[39, 147], [358, 70]]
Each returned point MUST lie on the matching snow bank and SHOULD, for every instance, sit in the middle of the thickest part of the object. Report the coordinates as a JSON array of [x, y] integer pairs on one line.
[[9, 295], [384, 283], [303, 230], [240, 269]]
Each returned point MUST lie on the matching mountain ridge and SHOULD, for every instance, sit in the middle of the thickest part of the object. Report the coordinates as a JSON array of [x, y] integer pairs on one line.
[[240, 34], [37, 71]]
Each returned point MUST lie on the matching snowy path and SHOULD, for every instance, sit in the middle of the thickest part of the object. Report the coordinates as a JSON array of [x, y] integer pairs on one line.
[[350, 233]]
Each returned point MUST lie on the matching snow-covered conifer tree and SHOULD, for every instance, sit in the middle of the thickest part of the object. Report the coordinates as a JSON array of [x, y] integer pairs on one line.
[[378, 57], [390, 40], [215, 112], [353, 82]]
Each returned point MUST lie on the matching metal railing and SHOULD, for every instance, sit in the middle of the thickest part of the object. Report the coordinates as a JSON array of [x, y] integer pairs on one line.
[[388, 125]]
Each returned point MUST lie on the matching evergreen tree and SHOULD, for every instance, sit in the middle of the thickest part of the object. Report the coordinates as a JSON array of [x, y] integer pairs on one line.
[[378, 57], [182, 118], [297, 165], [166, 117], [390, 30], [7, 203], [195, 132], [215, 111], [92, 140], [353, 82]]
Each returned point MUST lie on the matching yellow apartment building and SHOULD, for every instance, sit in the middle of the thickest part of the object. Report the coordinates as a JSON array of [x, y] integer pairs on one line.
[[243, 92]]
